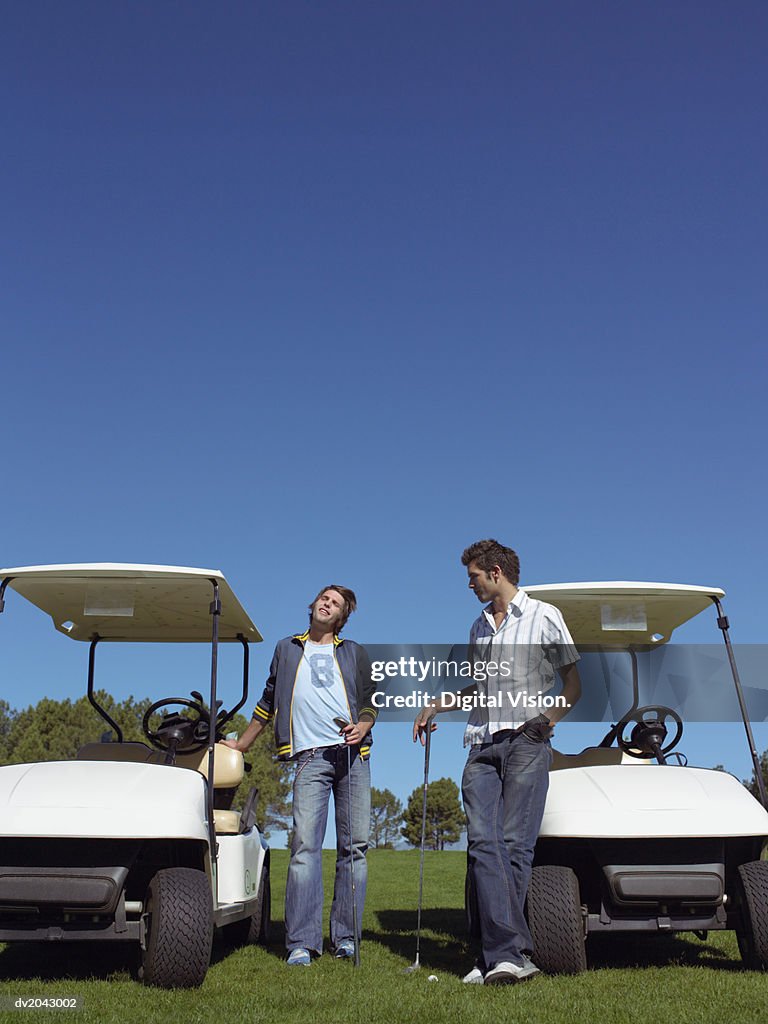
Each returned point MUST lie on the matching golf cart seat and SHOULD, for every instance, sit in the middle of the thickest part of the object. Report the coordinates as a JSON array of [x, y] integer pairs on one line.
[[139, 753], [592, 757], [228, 772], [228, 765], [229, 769]]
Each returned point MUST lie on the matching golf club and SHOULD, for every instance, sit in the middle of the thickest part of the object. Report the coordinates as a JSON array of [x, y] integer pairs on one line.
[[342, 724], [427, 741]]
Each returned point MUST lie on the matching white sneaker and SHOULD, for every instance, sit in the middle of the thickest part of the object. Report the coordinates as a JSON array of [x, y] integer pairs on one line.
[[530, 964], [299, 958], [475, 977], [507, 973]]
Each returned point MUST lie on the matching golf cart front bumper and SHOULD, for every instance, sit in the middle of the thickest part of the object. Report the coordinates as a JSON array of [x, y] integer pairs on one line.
[[44, 903], [679, 895]]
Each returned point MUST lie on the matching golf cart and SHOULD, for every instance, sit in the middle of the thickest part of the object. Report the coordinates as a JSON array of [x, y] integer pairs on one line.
[[136, 842], [632, 839]]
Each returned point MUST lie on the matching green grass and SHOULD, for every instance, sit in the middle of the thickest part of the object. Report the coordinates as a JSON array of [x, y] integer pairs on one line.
[[633, 980]]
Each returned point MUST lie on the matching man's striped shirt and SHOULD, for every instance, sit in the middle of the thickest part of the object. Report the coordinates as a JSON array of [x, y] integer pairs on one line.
[[529, 646]]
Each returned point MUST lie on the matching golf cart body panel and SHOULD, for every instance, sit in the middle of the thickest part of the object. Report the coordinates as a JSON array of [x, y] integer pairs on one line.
[[111, 800], [241, 859], [124, 842], [639, 802]]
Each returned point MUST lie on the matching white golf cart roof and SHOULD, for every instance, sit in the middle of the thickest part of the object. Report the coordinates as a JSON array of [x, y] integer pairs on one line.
[[117, 601], [625, 614]]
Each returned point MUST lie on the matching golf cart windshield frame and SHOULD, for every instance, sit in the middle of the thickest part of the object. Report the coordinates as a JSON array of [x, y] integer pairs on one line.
[[220, 723]]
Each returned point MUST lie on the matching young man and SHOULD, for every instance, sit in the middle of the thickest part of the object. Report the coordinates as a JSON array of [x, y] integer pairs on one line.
[[315, 678], [506, 776]]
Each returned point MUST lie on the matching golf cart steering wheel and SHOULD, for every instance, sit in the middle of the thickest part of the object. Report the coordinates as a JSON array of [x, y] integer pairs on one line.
[[180, 734], [650, 732]]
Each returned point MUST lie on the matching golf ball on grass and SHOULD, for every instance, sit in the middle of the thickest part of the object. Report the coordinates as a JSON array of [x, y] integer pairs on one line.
[[433, 977]]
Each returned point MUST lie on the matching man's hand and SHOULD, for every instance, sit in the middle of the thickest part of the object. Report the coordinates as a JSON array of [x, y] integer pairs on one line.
[[539, 729], [443, 702], [354, 732], [423, 721], [245, 742]]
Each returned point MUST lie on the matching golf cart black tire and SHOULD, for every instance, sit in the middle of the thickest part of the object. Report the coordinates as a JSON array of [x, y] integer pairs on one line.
[[752, 930], [179, 931], [555, 919]]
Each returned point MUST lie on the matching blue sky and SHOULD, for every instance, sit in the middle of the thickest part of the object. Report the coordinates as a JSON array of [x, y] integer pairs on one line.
[[325, 292]]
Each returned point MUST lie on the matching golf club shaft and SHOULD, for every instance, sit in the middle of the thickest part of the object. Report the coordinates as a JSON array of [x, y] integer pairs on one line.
[[355, 935], [427, 743]]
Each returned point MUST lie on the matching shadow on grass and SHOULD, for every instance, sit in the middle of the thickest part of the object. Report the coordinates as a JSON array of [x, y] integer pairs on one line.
[[443, 944], [622, 950], [77, 961], [397, 933], [81, 961], [223, 944]]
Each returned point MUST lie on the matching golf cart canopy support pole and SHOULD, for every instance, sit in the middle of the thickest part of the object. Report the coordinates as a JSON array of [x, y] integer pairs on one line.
[[215, 610], [244, 696], [722, 622], [3, 585], [91, 664]]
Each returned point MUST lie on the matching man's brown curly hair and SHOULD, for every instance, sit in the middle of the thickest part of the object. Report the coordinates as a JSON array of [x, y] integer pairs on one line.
[[488, 553]]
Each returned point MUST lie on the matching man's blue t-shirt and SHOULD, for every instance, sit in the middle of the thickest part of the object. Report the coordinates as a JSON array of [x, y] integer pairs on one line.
[[318, 697]]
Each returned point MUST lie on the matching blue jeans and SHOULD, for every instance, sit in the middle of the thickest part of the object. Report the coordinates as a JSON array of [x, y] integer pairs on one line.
[[319, 773], [504, 789]]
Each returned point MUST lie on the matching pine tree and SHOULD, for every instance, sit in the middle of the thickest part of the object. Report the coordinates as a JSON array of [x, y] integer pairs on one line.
[[271, 777], [7, 717], [445, 817], [386, 817], [751, 784]]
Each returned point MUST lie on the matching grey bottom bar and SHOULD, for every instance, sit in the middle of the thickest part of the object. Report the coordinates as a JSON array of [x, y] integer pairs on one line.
[[655, 924], [132, 933]]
